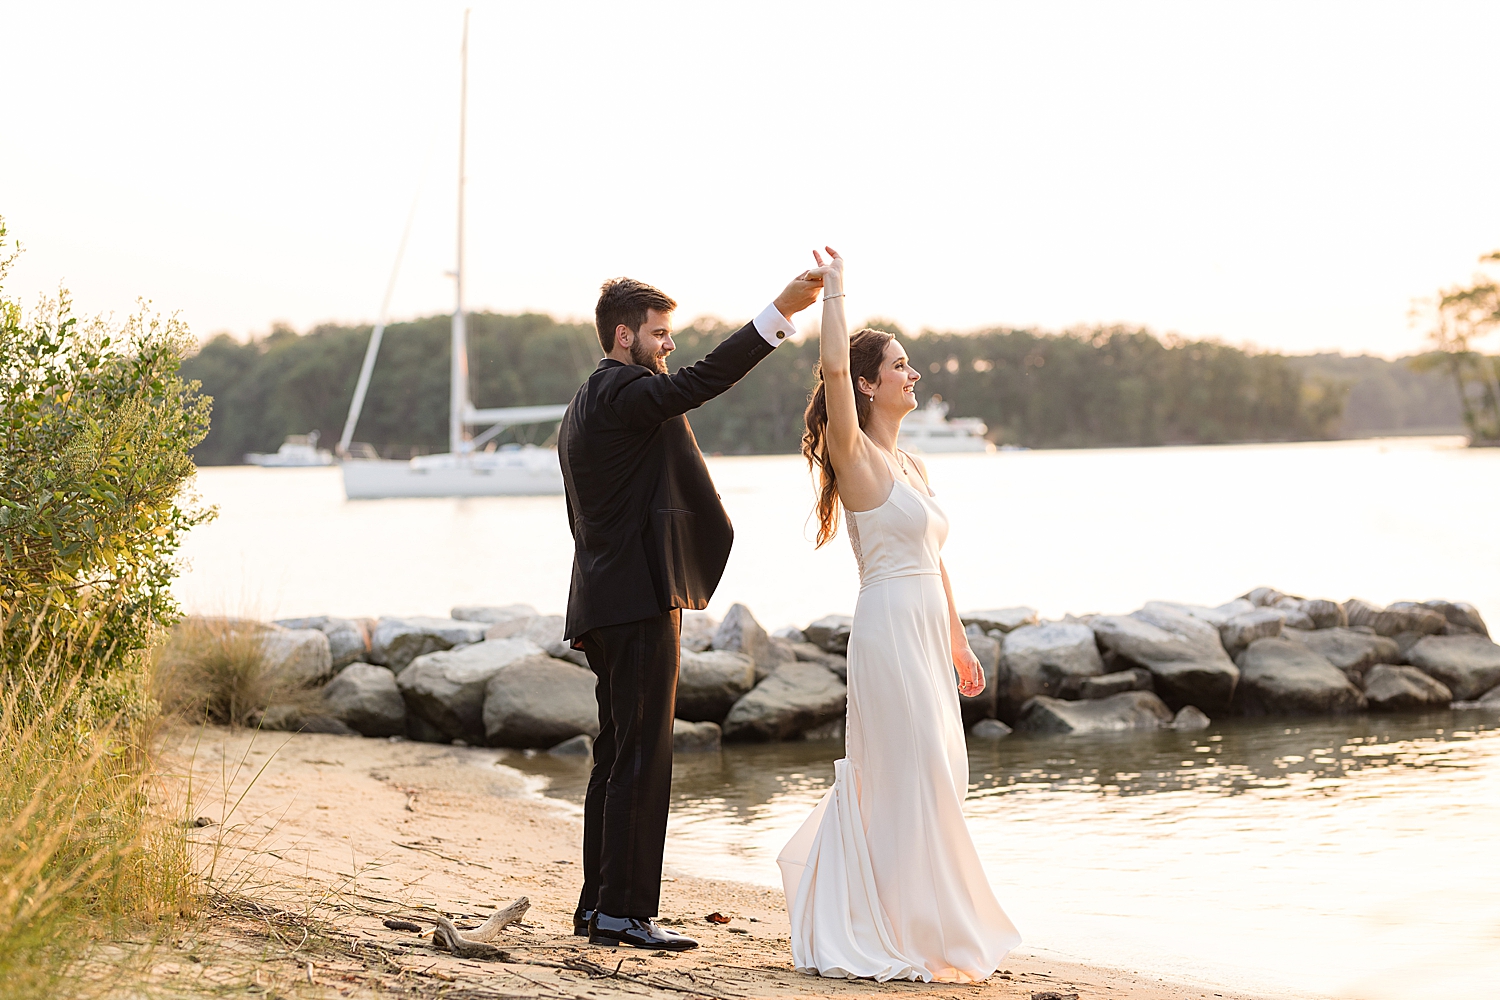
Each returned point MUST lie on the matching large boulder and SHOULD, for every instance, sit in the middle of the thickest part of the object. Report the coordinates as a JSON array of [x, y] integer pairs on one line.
[[1325, 614], [1468, 664], [1240, 631], [1263, 597], [1002, 619], [1108, 685], [538, 702], [984, 704], [1184, 654], [1391, 688], [544, 630], [739, 632], [1491, 700], [1214, 616], [695, 737], [1281, 677], [299, 656], [1047, 659], [1352, 650], [1401, 617], [1130, 710], [1461, 617], [286, 718], [397, 641], [365, 698], [810, 653], [830, 633], [447, 688], [347, 640], [698, 628], [797, 697], [491, 614], [709, 683]]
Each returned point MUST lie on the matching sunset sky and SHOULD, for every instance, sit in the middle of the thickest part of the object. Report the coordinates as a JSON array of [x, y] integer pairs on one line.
[[1291, 175]]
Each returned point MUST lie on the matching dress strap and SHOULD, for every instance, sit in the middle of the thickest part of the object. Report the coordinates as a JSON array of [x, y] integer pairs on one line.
[[920, 472]]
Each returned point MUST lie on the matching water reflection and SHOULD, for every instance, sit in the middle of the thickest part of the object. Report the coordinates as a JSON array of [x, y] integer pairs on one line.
[[1328, 857]]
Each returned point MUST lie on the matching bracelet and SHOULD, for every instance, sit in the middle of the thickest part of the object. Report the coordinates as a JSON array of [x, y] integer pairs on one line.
[[838, 296]]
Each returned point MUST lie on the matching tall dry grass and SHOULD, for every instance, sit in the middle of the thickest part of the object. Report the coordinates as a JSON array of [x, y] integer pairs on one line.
[[214, 670], [90, 848]]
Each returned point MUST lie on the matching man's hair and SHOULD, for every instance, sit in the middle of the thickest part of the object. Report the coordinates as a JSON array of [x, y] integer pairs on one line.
[[625, 300]]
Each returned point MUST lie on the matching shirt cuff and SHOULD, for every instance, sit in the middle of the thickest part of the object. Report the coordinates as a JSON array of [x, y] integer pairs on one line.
[[773, 327]]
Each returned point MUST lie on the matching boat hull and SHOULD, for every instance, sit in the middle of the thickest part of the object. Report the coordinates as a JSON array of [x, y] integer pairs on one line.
[[939, 445], [538, 475]]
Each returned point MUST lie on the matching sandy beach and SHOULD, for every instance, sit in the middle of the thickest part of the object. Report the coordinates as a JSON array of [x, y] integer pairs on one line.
[[314, 841]]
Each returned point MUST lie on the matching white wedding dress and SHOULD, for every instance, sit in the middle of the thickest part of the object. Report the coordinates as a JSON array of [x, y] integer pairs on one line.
[[882, 880]]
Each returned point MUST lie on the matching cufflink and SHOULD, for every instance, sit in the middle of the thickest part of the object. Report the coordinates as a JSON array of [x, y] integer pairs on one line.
[[780, 334]]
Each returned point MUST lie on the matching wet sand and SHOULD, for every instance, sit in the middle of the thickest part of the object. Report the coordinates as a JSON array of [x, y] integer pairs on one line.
[[316, 840]]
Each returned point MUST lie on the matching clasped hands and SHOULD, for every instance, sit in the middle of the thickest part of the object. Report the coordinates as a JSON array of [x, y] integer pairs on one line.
[[803, 289]]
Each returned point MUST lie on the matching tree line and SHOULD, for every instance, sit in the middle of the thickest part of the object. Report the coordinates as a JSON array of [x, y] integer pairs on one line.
[[1104, 386]]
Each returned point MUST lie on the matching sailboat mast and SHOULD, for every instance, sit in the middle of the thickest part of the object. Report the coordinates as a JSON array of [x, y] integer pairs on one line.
[[458, 396]]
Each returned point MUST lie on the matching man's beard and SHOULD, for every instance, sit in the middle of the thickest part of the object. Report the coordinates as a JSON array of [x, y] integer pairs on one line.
[[648, 358]]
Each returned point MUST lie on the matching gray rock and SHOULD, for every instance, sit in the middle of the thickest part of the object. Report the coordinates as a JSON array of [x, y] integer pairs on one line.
[[491, 614], [539, 702], [366, 699], [1243, 629], [1391, 688], [1403, 616], [709, 683], [300, 656], [1281, 677], [984, 704], [1351, 650], [419, 730], [1461, 617], [1214, 616], [739, 632], [1263, 597], [1190, 719], [1468, 664], [578, 746], [791, 634], [810, 653], [1131, 710], [795, 698], [1002, 619], [1043, 660], [296, 719], [833, 729], [1185, 655], [989, 729], [698, 628], [447, 688], [1325, 614], [1292, 615], [1109, 685], [544, 630], [397, 641], [830, 633], [695, 737], [347, 640], [1492, 699]]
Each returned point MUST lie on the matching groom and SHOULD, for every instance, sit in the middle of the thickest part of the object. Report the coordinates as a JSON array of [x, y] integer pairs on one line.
[[650, 538]]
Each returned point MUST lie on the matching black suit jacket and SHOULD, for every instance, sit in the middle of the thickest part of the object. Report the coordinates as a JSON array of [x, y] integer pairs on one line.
[[649, 532]]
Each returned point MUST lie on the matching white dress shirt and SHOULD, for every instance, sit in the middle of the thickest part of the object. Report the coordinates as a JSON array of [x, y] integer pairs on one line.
[[773, 327]]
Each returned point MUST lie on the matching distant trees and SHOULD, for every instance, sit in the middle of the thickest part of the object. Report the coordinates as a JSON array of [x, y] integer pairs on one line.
[[1088, 387], [1460, 317]]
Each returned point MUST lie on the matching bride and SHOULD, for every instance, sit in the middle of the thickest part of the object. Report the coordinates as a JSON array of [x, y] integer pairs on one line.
[[882, 880]]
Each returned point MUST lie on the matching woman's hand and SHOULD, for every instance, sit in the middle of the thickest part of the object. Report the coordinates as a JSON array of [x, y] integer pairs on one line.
[[831, 272], [970, 672]]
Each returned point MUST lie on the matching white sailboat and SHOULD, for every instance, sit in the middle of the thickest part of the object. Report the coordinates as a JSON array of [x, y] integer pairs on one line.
[[465, 471]]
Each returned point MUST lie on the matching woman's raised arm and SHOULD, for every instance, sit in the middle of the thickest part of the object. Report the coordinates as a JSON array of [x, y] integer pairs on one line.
[[843, 434]]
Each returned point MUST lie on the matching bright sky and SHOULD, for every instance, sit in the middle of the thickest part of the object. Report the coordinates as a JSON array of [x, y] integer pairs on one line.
[[1288, 174]]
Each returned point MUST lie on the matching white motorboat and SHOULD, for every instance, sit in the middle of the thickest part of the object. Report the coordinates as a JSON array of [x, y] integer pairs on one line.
[[298, 451], [465, 470], [929, 429]]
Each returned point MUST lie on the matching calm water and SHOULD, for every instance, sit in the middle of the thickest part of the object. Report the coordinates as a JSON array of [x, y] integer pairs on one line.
[[1350, 858], [1062, 531]]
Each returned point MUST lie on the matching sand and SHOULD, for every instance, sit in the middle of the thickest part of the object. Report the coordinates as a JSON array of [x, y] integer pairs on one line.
[[313, 841]]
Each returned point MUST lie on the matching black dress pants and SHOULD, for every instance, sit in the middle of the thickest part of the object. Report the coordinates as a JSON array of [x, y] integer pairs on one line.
[[625, 810]]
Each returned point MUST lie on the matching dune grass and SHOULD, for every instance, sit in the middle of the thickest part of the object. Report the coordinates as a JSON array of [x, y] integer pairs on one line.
[[213, 669]]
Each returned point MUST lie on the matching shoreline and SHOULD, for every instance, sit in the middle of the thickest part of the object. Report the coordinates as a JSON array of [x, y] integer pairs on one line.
[[350, 831]]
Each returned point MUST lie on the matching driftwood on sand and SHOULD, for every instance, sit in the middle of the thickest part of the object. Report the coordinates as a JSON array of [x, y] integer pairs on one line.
[[476, 943]]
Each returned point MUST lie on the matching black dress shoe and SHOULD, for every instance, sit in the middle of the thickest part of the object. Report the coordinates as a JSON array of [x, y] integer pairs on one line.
[[637, 932], [581, 922]]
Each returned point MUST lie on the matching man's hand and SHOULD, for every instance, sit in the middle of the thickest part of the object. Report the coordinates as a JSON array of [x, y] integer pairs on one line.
[[801, 293]]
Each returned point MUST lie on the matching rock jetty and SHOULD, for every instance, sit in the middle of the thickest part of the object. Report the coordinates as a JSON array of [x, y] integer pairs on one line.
[[502, 676]]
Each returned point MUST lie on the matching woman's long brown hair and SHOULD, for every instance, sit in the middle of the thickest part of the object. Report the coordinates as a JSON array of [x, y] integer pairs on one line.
[[866, 354]]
